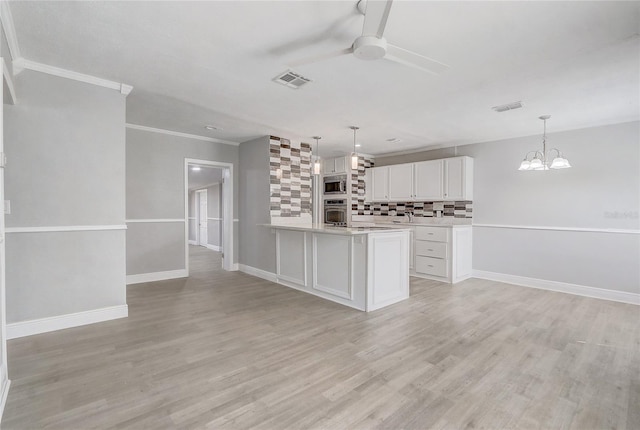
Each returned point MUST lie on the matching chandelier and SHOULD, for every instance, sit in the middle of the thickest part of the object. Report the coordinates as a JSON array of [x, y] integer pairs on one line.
[[540, 159]]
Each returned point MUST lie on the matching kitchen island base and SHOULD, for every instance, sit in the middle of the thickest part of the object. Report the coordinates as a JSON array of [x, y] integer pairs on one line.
[[366, 269]]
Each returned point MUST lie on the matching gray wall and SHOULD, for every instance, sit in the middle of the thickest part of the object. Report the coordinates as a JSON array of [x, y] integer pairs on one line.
[[66, 144], [601, 191], [257, 244], [155, 189]]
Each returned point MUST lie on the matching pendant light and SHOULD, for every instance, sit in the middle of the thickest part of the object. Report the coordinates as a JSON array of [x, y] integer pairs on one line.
[[539, 160], [354, 155], [317, 166]]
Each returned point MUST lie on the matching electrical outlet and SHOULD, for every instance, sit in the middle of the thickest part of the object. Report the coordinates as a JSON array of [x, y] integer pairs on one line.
[[7, 207]]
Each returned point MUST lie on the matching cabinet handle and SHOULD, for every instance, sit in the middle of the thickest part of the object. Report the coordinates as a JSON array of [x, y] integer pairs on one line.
[[429, 249], [430, 265]]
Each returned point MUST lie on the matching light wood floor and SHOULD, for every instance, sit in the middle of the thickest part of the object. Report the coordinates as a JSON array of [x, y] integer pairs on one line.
[[227, 350]]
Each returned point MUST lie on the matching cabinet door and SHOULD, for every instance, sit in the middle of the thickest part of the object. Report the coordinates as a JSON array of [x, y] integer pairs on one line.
[[455, 180], [429, 180], [458, 178], [401, 182], [380, 177], [368, 185], [328, 166], [340, 165]]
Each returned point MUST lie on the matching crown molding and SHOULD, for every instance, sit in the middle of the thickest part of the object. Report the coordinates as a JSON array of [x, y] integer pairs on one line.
[[180, 134], [69, 74], [9, 30]]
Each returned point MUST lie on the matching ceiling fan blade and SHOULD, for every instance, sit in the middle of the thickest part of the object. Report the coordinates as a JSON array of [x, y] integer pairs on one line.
[[322, 57], [417, 61], [375, 18]]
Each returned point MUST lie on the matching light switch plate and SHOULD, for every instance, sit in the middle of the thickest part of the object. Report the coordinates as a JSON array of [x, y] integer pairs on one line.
[[7, 207]]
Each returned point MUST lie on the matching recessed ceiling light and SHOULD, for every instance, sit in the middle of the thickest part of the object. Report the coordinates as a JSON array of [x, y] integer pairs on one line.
[[358, 145], [394, 140], [212, 127], [195, 168]]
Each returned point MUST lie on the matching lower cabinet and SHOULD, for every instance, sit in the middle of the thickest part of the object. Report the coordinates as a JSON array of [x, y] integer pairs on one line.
[[442, 253]]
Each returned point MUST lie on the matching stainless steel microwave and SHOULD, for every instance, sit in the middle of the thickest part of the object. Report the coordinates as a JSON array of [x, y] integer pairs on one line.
[[335, 184]]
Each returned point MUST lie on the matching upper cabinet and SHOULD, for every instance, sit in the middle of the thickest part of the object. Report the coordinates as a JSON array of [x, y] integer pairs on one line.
[[380, 184], [368, 185], [333, 166], [428, 180], [458, 183], [435, 180], [401, 182]]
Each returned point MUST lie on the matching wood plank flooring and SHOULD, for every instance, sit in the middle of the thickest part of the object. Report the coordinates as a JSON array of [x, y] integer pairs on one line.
[[229, 351]]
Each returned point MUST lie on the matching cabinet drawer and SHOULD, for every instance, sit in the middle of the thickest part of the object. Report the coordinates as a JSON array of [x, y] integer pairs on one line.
[[427, 248], [431, 266], [439, 234]]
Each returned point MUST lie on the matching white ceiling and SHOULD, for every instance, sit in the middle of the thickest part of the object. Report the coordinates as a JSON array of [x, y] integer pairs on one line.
[[197, 63], [204, 177]]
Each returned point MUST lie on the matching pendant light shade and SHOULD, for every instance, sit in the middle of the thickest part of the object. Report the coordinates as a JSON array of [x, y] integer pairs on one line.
[[536, 164], [540, 160], [560, 163], [525, 165], [354, 154], [317, 165]]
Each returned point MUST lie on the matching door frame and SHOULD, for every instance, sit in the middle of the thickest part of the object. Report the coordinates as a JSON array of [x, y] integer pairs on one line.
[[228, 262], [198, 196]]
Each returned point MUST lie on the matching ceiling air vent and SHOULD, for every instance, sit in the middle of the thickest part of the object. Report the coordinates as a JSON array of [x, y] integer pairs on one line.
[[509, 106], [291, 80]]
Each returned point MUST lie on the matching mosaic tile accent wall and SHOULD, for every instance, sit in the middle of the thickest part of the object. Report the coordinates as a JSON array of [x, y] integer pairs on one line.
[[458, 209], [357, 184], [291, 194]]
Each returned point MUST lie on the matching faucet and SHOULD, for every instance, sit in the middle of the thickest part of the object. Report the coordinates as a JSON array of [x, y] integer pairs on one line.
[[409, 214]]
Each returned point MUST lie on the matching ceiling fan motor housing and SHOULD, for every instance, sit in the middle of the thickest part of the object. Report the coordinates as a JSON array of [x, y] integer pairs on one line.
[[370, 47]]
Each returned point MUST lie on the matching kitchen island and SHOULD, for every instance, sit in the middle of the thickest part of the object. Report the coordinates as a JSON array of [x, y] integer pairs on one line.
[[366, 268]]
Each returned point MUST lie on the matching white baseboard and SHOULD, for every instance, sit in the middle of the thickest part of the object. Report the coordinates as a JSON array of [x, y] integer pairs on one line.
[[235, 267], [213, 247], [3, 395], [193, 242], [259, 273], [156, 276], [561, 287], [44, 325]]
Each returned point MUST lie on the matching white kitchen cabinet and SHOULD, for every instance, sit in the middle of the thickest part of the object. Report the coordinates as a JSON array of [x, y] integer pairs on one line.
[[332, 166], [442, 253], [458, 178], [434, 180], [380, 180], [401, 182], [428, 177], [368, 185]]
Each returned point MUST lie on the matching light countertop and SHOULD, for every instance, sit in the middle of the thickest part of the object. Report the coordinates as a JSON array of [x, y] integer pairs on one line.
[[343, 231], [370, 220]]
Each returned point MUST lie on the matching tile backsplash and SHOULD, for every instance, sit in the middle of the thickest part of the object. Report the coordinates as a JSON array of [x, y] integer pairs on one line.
[[457, 209], [291, 193]]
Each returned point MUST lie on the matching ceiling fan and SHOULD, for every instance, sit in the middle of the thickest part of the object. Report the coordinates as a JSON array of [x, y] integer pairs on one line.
[[373, 46]]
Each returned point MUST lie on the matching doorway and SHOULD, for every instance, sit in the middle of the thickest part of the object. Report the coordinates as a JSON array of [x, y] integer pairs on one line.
[[209, 210]]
